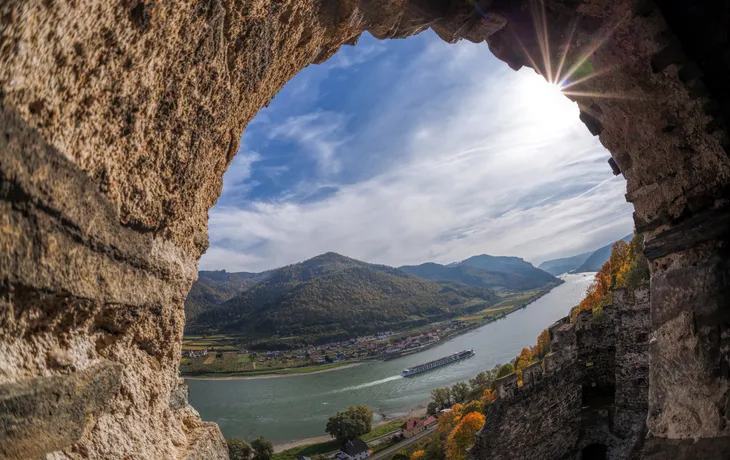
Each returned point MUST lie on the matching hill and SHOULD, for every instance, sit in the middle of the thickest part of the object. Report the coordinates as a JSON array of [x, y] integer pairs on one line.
[[330, 297], [599, 257], [472, 276], [534, 277], [566, 264], [215, 287]]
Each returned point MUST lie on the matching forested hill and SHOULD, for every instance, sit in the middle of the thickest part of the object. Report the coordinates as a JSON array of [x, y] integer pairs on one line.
[[215, 287], [472, 276], [534, 277], [331, 296]]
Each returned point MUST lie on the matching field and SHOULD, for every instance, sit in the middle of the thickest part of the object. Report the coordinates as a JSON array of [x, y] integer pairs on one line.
[[508, 304], [234, 364]]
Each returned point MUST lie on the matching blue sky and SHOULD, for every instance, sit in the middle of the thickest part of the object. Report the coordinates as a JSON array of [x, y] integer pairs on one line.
[[406, 151]]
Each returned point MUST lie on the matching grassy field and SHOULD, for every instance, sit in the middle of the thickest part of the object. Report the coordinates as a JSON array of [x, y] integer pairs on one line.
[[308, 450], [382, 429], [265, 371], [508, 304]]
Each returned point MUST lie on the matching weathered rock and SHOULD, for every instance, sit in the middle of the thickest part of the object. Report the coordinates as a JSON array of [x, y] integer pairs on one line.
[[119, 118], [593, 392], [48, 413]]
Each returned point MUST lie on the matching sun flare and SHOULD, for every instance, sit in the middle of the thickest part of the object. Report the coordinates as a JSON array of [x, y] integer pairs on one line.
[[547, 105]]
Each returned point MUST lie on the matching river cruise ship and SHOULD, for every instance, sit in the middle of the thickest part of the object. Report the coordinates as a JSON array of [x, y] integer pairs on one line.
[[437, 363]]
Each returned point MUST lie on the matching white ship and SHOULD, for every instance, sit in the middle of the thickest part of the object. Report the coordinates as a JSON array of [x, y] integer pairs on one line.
[[437, 363]]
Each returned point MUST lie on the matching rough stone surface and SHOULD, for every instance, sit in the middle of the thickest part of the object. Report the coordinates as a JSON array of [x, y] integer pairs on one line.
[[48, 413], [593, 392], [118, 120]]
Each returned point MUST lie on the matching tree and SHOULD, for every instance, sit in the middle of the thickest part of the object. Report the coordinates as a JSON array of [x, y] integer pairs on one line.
[[480, 381], [238, 449], [449, 420], [523, 360], [434, 449], [418, 455], [442, 397], [489, 396], [473, 406], [543, 345], [400, 455], [262, 449], [459, 392], [462, 437], [432, 408], [353, 422], [506, 369]]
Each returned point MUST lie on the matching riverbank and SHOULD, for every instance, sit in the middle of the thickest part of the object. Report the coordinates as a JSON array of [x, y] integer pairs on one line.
[[325, 443], [227, 365], [274, 374], [282, 409]]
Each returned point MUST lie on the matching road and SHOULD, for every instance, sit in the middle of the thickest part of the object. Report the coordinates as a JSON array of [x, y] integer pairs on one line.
[[396, 447]]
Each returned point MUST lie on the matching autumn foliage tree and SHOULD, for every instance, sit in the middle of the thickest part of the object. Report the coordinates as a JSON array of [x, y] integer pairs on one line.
[[462, 437], [524, 359], [449, 420], [542, 347], [626, 268], [418, 455]]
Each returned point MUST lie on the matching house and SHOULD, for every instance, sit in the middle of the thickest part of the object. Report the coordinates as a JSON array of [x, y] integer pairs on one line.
[[355, 449], [412, 427], [430, 422]]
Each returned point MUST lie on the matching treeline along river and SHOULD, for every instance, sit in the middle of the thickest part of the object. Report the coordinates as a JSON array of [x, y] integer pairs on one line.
[[294, 407]]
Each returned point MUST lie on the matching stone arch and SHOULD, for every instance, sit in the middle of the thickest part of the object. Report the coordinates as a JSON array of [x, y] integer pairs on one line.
[[119, 120]]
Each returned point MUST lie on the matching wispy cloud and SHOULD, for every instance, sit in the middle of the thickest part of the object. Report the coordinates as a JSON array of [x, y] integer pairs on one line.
[[349, 56], [463, 156], [318, 133]]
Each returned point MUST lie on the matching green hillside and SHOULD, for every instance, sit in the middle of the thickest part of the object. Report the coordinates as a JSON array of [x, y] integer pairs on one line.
[[331, 297], [491, 279], [215, 287]]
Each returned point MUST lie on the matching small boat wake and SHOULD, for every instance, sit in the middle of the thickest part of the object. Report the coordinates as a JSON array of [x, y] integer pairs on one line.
[[368, 384]]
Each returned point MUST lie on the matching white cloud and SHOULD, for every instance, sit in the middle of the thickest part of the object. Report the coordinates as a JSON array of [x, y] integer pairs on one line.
[[318, 133], [480, 160], [349, 56]]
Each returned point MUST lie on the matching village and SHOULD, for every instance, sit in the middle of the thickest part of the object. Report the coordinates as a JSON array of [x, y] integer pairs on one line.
[[411, 430], [221, 355]]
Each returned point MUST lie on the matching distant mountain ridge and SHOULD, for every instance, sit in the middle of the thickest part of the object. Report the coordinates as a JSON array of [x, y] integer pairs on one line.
[[506, 274], [513, 265], [595, 261], [564, 265], [331, 297]]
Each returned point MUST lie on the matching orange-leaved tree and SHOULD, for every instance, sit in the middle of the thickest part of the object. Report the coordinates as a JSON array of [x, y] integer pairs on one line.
[[542, 347], [418, 455], [523, 360], [462, 437], [489, 396], [449, 420]]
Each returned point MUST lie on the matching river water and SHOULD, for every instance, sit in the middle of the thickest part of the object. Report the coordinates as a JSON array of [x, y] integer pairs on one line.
[[295, 407]]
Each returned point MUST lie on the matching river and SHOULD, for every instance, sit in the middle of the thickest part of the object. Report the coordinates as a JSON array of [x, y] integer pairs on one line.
[[295, 407]]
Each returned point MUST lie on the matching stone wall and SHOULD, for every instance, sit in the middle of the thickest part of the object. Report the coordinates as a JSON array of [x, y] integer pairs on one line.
[[118, 120], [562, 406]]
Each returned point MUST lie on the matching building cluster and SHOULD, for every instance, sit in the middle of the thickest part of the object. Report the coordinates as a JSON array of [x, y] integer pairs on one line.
[[414, 426], [194, 353]]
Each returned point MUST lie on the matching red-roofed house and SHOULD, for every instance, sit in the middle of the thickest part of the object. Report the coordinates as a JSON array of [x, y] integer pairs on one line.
[[430, 422], [412, 427]]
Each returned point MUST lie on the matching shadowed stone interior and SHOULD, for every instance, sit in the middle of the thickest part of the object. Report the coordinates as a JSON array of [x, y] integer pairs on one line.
[[118, 120]]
